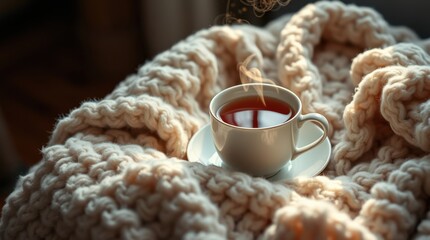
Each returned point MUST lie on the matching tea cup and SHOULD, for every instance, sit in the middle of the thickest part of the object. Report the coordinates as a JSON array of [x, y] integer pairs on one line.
[[255, 127]]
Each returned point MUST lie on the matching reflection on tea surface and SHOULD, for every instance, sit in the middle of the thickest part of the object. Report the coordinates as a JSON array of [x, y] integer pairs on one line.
[[251, 112]]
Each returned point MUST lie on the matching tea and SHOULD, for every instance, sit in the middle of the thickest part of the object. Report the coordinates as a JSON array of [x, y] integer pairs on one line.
[[252, 112]]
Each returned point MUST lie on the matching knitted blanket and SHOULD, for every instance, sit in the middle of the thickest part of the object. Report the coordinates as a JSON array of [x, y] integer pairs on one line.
[[117, 168]]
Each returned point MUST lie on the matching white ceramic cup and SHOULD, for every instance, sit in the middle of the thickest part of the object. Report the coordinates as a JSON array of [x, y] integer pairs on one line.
[[263, 151]]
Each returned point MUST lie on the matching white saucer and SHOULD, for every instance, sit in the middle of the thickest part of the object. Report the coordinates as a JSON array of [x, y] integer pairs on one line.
[[201, 149]]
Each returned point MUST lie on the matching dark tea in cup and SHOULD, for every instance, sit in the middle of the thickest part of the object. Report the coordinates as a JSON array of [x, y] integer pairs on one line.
[[253, 112]]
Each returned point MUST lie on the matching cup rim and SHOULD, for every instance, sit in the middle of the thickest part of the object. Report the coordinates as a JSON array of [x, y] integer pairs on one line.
[[232, 88]]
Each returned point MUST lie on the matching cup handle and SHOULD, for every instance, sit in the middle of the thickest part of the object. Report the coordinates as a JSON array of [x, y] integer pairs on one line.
[[323, 124]]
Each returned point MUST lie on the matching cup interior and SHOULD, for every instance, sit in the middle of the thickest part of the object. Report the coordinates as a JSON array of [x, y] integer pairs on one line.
[[250, 90]]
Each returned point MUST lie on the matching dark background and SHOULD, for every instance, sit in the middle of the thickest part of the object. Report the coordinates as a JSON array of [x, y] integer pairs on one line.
[[56, 54]]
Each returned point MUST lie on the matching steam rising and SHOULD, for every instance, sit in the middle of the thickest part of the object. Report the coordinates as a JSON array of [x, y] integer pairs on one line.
[[259, 7], [253, 75]]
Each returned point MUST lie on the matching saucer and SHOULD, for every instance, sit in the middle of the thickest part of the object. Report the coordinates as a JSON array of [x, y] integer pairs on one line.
[[308, 164]]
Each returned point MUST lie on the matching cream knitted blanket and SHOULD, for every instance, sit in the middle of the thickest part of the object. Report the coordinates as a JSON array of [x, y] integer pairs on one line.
[[117, 168]]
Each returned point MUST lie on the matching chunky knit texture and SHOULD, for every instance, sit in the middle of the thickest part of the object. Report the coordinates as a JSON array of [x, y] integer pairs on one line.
[[117, 168]]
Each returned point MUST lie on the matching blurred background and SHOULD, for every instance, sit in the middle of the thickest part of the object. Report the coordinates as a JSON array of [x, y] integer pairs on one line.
[[56, 54]]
